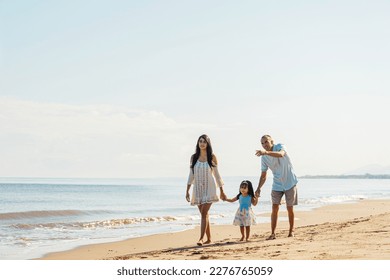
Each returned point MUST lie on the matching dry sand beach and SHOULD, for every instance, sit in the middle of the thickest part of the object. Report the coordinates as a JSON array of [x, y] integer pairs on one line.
[[337, 232]]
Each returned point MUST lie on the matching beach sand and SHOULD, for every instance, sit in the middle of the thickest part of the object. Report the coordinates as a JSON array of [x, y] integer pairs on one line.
[[350, 231]]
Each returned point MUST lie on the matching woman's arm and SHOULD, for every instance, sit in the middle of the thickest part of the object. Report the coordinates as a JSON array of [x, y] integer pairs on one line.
[[188, 193], [218, 178], [190, 181]]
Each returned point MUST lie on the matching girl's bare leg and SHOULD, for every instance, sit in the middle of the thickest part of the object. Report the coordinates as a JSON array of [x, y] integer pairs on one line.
[[248, 231], [242, 233]]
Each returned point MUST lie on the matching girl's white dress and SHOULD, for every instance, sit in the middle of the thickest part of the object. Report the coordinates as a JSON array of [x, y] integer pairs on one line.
[[205, 181], [244, 216]]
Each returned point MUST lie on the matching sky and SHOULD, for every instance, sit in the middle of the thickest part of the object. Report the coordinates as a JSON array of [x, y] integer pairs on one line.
[[123, 89]]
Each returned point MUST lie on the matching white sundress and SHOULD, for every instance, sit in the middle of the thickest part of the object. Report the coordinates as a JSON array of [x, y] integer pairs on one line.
[[205, 181]]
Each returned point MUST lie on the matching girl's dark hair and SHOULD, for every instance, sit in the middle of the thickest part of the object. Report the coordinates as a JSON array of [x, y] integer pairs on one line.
[[209, 151], [250, 188]]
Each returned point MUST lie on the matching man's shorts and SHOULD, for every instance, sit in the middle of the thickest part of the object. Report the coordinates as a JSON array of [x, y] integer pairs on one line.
[[291, 196]]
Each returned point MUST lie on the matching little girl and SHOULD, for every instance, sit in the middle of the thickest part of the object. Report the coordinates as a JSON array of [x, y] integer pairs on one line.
[[244, 215]]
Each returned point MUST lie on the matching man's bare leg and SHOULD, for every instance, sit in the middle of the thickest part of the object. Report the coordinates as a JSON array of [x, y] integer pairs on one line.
[[274, 221], [290, 211]]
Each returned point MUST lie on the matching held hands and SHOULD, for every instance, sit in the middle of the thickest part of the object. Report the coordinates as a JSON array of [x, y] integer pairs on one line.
[[222, 196], [254, 201], [257, 193]]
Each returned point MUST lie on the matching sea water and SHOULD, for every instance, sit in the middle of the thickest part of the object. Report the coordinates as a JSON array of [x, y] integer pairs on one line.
[[39, 216]]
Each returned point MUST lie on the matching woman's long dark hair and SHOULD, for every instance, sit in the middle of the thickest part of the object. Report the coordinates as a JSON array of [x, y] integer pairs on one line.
[[250, 188], [209, 151]]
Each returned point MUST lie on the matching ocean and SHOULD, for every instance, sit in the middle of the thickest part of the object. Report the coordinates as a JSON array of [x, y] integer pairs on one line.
[[40, 215]]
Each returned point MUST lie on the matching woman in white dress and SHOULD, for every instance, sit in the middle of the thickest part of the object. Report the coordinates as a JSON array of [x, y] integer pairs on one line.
[[205, 177]]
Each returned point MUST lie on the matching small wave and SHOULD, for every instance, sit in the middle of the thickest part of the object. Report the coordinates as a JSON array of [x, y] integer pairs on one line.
[[95, 224], [39, 214], [48, 213], [129, 221], [113, 223], [332, 199], [42, 226]]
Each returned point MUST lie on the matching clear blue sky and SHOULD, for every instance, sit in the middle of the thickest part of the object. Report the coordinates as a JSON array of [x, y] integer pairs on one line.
[[124, 88]]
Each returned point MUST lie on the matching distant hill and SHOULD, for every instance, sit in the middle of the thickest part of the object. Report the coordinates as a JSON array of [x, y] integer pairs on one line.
[[361, 176], [374, 169]]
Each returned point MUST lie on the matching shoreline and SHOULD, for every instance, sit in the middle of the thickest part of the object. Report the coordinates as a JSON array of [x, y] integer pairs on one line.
[[356, 230]]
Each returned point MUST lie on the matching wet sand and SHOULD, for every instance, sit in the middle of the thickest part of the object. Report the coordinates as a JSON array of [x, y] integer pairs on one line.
[[359, 230]]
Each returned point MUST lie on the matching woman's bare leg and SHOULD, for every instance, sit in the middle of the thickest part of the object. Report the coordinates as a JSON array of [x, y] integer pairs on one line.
[[204, 224]]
